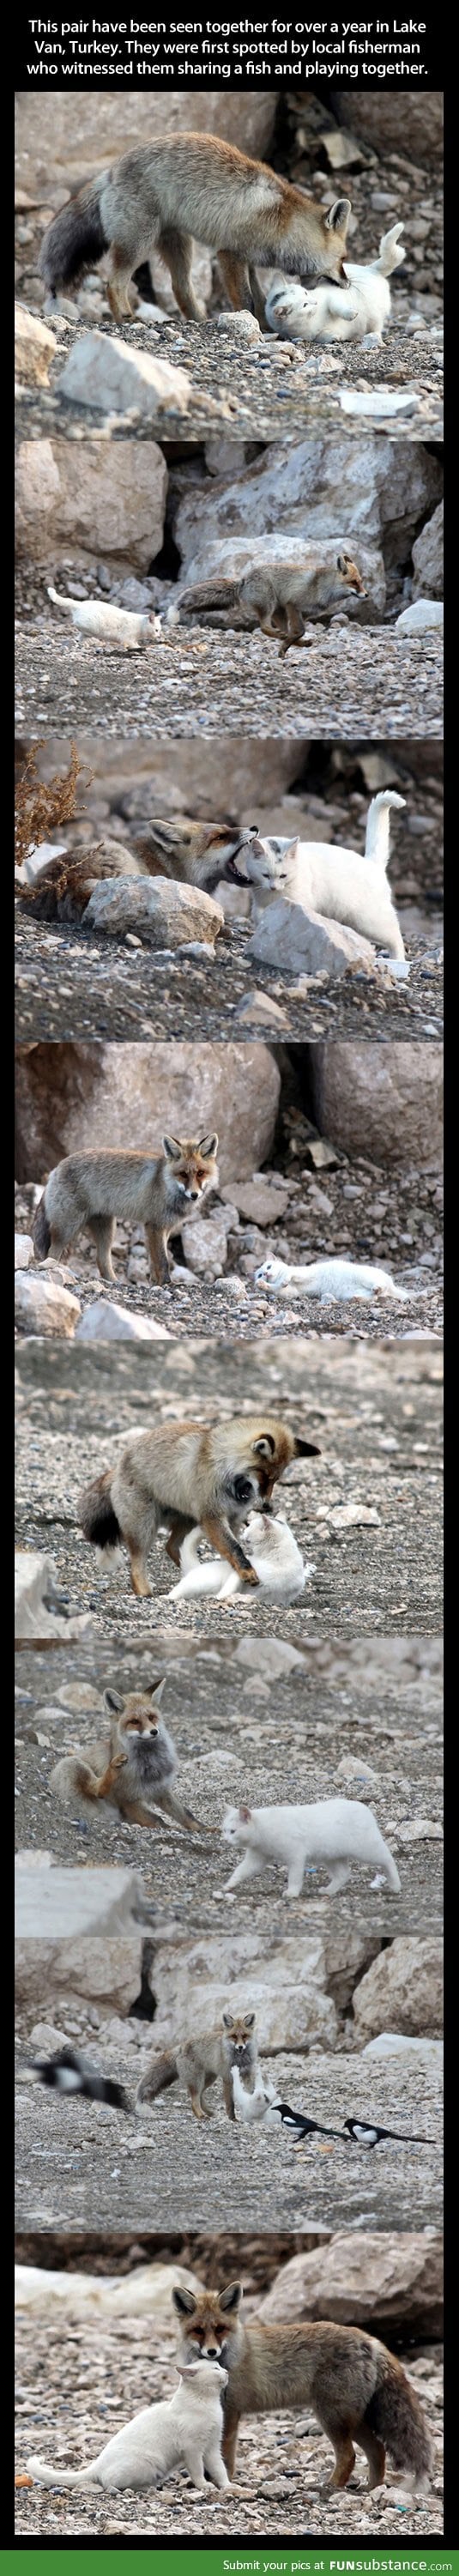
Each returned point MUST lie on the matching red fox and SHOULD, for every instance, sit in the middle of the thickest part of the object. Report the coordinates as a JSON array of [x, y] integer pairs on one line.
[[357, 2389], [199, 2063], [195, 187], [189, 1473], [153, 1190], [279, 597]]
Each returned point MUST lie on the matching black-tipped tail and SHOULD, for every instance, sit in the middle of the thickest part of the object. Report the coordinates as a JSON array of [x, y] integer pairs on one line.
[[74, 242], [96, 1515], [41, 1230]]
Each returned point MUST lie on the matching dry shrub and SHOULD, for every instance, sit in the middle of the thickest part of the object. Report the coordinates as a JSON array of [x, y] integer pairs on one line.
[[40, 809]]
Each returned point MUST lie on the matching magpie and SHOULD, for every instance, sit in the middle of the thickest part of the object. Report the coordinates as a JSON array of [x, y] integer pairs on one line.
[[68, 2072], [303, 2128], [367, 2134]]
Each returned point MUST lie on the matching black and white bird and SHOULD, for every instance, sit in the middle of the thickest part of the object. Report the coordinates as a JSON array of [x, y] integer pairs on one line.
[[68, 2072], [302, 2127], [367, 2134]]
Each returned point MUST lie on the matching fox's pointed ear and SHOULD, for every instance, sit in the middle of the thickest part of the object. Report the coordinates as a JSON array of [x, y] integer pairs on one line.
[[306, 1448], [249, 2019], [342, 562], [156, 1692], [228, 2019], [232, 2297], [171, 1147], [208, 1145], [265, 1448], [184, 2301], [338, 215], [113, 1701]]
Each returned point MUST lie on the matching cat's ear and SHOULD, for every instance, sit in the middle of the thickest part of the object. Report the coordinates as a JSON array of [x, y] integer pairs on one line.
[[249, 2019], [306, 1448], [232, 2297], [188, 2369], [245, 1815], [185, 2302], [208, 1145], [113, 1701]]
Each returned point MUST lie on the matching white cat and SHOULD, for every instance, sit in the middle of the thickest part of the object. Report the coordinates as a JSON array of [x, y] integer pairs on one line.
[[260, 2104], [113, 625], [328, 1278], [336, 312], [345, 885], [335, 1830], [183, 2431], [271, 1549]]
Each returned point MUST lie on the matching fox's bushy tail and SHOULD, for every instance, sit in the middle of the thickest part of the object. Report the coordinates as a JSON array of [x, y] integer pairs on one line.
[[163, 2072], [395, 2415], [214, 593], [75, 241], [96, 1515]]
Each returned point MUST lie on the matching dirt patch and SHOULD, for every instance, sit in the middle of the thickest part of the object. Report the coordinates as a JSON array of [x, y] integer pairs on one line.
[[210, 683]]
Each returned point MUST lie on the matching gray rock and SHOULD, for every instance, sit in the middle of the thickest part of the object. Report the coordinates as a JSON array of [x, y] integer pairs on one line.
[[41, 1306], [428, 558], [34, 347], [67, 1904], [35, 1580], [105, 1322], [164, 912], [109, 375], [290, 938], [419, 617], [23, 1251]]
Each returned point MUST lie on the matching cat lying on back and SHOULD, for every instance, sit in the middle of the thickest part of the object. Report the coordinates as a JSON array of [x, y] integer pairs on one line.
[[270, 1547], [327, 1279]]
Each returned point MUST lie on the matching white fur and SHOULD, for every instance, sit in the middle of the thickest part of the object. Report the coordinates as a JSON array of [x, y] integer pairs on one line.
[[183, 2431], [335, 1830], [113, 625], [336, 312], [270, 1547], [329, 1278], [260, 2104], [344, 885]]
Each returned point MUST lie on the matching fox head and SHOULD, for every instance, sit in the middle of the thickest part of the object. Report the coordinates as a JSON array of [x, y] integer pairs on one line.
[[311, 243], [261, 1451], [193, 1163], [238, 2030], [350, 575], [139, 1714], [208, 2319]]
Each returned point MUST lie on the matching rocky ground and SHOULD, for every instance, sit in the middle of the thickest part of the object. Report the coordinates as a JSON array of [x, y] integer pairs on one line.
[[210, 682], [80, 2162], [249, 384], [361, 1398], [72, 983], [242, 1730], [75, 2387]]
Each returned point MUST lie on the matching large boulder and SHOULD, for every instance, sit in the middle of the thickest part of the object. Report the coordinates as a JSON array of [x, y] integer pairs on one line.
[[401, 1991], [42, 1306], [428, 558], [61, 1906], [380, 2281], [34, 347], [82, 497], [57, 150], [100, 1967], [137, 1094], [377, 121], [287, 1992], [387, 1100], [65, 2295], [335, 488], [35, 1593]]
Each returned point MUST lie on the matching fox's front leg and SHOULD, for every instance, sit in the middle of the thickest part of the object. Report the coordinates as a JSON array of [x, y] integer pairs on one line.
[[228, 2098], [236, 281], [133, 1812], [220, 1536], [157, 1253], [182, 1815]]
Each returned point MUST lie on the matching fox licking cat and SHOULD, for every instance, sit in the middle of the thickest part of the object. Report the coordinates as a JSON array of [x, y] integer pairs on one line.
[[194, 187]]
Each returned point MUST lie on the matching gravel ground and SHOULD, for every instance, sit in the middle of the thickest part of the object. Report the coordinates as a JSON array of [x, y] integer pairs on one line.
[[77, 2387], [257, 390], [212, 682], [72, 984], [361, 1399], [78, 2163], [234, 1741]]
